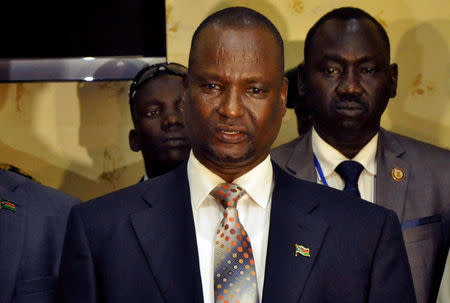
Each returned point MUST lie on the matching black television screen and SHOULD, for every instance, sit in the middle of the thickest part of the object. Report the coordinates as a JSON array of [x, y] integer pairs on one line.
[[61, 41]]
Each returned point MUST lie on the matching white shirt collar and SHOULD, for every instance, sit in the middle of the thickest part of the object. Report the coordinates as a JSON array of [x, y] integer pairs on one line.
[[257, 182], [329, 157]]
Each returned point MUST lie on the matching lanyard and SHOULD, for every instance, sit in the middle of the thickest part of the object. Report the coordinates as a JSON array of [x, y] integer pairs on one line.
[[319, 170]]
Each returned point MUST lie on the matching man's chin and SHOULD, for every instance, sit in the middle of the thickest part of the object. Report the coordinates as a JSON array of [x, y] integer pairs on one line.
[[229, 158]]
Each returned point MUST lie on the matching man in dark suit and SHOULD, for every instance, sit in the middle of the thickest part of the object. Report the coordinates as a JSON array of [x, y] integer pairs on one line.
[[229, 225], [347, 80], [33, 219], [157, 113]]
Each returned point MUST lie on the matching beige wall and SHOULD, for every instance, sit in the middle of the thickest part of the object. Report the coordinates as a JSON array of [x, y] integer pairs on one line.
[[74, 136], [420, 40], [71, 136]]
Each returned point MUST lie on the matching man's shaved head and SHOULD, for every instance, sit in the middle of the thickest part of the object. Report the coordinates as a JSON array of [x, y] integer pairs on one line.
[[237, 17], [344, 14]]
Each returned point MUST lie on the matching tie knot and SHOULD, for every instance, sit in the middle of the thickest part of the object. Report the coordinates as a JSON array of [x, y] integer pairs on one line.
[[349, 171], [227, 194]]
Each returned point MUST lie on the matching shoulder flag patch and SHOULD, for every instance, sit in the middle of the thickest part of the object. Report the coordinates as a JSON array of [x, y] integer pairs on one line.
[[8, 205], [304, 251]]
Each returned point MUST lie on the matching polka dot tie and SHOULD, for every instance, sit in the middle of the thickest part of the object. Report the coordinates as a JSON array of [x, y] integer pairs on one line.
[[350, 172], [234, 266]]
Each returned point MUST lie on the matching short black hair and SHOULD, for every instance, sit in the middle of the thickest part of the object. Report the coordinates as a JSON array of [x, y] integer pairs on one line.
[[238, 17], [344, 13]]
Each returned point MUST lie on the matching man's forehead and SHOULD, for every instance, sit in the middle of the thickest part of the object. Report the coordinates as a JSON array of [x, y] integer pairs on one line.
[[359, 29], [232, 45], [348, 35]]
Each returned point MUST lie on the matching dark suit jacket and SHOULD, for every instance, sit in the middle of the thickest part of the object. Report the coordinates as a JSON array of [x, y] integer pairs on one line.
[[139, 245], [31, 239], [421, 201]]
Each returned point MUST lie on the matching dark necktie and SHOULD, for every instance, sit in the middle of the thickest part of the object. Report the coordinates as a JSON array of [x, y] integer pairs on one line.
[[234, 265], [350, 172]]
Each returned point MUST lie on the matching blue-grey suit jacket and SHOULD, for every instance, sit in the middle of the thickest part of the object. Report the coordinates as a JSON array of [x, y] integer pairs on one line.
[[139, 245], [31, 239], [421, 200]]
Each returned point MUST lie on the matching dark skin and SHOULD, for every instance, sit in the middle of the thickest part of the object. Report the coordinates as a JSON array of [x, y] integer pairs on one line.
[[235, 98], [348, 81], [158, 124]]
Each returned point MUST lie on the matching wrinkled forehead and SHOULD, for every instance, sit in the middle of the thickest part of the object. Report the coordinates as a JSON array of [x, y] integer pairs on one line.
[[218, 45]]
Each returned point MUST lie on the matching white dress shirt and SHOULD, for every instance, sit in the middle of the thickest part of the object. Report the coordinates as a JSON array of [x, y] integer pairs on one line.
[[254, 214], [329, 158]]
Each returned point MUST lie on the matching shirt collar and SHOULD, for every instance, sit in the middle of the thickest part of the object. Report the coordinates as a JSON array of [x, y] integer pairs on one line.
[[366, 155], [329, 157], [256, 182]]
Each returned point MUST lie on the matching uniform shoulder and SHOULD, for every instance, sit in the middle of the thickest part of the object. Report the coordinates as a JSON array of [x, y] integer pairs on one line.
[[35, 195], [411, 145], [127, 200], [104, 215]]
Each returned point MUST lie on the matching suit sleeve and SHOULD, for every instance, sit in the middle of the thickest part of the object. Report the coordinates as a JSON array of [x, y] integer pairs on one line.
[[77, 279], [391, 279]]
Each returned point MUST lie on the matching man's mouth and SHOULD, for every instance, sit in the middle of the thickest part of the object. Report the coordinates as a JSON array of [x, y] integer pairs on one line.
[[173, 142], [231, 134], [349, 108]]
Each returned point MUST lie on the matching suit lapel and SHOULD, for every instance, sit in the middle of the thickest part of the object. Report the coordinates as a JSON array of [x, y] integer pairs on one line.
[[389, 192], [292, 222], [302, 160], [167, 235], [12, 232]]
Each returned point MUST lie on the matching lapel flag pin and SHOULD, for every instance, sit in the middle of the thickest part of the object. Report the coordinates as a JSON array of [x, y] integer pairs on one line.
[[304, 251], [8, 205], [398, 174]]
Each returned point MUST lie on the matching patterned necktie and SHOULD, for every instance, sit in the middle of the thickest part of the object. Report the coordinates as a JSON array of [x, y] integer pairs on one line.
[[234, 266], [350, 172]]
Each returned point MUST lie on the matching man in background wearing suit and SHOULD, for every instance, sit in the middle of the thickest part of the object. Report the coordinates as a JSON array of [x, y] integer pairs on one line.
[[33, 220], [347, 80], [157, 113], [229, 225]]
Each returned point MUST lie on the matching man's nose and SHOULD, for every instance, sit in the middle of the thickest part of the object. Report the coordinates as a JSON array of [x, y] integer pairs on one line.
[[350, 83], [172, 118], [231, 105]]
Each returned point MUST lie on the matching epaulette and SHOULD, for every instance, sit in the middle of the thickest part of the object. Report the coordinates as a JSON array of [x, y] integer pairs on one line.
[[17, 170]]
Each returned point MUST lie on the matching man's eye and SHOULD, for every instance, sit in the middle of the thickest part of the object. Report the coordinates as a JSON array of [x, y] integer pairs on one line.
[[152, 113], [212, 86], [331, 71], [256, 91], [367, 70]]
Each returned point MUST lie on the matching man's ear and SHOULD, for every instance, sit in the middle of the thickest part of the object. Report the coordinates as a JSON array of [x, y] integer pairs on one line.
[[284, 94], [393, 70], [133, 139], [301, 87]]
